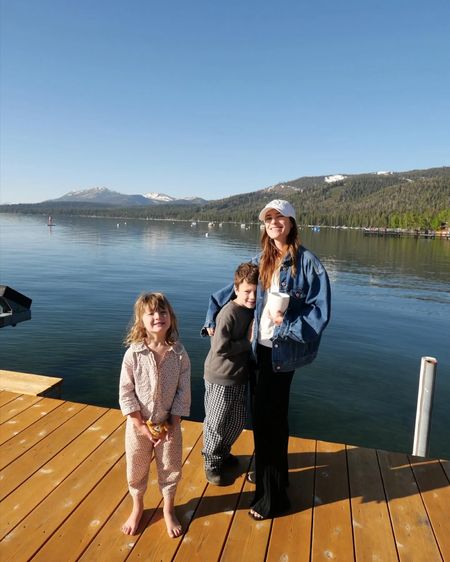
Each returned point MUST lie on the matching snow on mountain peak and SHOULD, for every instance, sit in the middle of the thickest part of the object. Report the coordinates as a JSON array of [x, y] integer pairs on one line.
[[92, 192], [159, 196], [335, 178]]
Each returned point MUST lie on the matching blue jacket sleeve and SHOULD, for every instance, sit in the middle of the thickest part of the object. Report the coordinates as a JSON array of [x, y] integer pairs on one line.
[[305, 321], [216, 302]]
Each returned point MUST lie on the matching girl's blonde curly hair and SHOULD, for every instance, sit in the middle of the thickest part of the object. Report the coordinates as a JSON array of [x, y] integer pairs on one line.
[[152, 302]]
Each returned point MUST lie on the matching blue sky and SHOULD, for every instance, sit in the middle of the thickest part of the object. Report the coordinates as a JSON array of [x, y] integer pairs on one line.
[[216, 98]]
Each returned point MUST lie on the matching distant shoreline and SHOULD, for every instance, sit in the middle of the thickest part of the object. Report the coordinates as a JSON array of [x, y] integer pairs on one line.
[[443, 234]]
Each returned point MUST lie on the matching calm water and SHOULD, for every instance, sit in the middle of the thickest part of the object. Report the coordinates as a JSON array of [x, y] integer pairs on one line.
[[390, 307]]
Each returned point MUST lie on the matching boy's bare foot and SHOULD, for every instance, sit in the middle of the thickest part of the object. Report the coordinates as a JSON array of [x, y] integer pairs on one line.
[[173, 525], [132, 523]]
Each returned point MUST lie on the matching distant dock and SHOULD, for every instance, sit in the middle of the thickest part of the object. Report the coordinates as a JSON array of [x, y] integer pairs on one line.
[[64, 497], [400, 232]]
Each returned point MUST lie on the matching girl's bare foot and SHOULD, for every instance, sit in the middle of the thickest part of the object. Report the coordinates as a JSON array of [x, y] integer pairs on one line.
[[132, 523], [173, 525]]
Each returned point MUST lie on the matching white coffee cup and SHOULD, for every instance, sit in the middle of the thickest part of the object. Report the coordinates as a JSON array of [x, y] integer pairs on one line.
[[277, 302]]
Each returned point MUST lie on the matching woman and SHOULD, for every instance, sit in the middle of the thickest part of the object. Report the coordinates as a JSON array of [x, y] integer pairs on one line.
[[282, 342]]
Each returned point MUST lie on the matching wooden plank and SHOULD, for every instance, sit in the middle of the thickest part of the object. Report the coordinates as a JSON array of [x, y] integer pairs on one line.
[[332, 528], [72, 505], [17, 406], [41, 483], [372, 530], [36, 457], [75, 534], [154, 542], [6, 396], [21, 443], [413, 535], [47, 516], [290, 538], [16, 425], [27, 383], [110, 543], [215, 511], [247, 539], [435, 490]]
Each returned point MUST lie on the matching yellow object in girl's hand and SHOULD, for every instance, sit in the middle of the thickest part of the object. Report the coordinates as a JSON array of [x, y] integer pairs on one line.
[[158, 429]]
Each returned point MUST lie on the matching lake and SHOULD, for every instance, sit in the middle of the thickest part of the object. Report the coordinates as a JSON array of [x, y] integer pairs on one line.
[[390, 307]]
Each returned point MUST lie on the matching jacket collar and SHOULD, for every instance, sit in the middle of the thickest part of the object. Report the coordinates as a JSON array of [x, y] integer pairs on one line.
[[139, 346]]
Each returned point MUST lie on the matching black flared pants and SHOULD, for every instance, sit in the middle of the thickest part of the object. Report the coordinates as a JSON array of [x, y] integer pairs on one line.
[[270, 404]]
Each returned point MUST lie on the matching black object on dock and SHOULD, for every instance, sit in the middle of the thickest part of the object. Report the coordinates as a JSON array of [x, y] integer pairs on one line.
[[14, 307]]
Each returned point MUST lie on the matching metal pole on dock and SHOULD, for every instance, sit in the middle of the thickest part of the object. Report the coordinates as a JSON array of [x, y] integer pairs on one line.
[[424, 406]]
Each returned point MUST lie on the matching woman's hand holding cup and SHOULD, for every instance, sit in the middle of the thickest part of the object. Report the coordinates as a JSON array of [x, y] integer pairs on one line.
[[277, 304]]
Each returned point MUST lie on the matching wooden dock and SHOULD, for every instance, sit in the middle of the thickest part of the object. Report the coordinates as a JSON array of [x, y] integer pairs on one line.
[[26, 383], [64, 497]]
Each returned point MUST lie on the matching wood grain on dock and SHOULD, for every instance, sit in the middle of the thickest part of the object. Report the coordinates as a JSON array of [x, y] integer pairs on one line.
[[64, 497], [26, 383]]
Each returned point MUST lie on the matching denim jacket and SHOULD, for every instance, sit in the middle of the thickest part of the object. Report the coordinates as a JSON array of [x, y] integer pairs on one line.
[[296, 341]]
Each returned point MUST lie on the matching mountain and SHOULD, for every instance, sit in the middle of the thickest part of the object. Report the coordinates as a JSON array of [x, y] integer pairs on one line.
[[102, 196], [411, 199], [160, 197], [416, 198], [106, 197], [163, 198]]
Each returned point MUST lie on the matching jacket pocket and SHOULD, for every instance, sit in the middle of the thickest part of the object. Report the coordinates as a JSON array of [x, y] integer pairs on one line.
[[297, 295], [288, 354]]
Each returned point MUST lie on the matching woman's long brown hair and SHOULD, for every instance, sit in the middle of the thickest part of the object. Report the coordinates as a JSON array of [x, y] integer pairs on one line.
[[271, 257]]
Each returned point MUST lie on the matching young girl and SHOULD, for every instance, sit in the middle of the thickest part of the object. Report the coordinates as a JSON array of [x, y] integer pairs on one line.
[[154, 393]]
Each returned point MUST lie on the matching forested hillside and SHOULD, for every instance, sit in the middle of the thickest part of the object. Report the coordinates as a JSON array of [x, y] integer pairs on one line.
[[414, 199]]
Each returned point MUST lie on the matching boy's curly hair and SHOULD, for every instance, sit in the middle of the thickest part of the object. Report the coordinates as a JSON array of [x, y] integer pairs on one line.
[[246, 271]]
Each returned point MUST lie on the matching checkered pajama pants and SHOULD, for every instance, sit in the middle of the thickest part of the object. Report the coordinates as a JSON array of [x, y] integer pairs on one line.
[[225, 417]]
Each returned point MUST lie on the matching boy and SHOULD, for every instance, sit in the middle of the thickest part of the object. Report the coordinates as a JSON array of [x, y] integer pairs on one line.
[[227, 369]]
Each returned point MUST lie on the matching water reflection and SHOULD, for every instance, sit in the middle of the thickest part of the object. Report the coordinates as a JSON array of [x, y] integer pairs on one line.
[[390, 306]]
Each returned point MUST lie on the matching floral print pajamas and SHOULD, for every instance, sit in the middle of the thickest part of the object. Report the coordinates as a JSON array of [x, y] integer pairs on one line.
[[157, 391]]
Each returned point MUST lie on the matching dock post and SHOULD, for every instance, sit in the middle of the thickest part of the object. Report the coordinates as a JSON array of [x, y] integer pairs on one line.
[[424, 406]]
